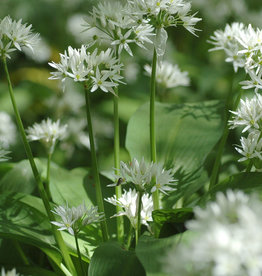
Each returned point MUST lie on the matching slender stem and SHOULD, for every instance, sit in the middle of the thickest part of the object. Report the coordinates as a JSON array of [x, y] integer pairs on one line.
[[36, 174], [129, 237], [21, 252], [155, 194], [79, 255], [249, 166], [118, 191], [221, 146], [138, 214], [48, 176], [99, 196]]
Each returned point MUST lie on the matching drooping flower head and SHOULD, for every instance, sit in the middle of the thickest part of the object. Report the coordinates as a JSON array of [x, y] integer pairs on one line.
[[47, 132], [227, 239], [128, 201], [75, 218], [14, 36], [9, 273], [98, 69], [168, 75]]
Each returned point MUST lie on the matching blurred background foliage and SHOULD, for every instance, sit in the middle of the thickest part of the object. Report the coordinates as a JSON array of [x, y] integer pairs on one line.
[[59, 23]]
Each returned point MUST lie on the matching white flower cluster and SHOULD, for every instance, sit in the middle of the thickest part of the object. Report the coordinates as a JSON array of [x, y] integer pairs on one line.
[[14, 36], [139, 21], [243, 47], [227, 239], [142, 174], [169, 75], [47, 132], [3, 155], [99, 70], [249, 117], [75, 218], [128, 201], [9, 273], [8, 133]]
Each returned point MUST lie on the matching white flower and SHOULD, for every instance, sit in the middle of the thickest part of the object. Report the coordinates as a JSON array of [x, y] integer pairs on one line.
[[227, 239], [3, 155], [138, 173], [169, 75], [8, 133], [15, 35], [251, 147], [254, 82], [9, 273], [163, 179], [249, 114], [123, 41], [101, 69], [75, 218], [47, 132], [128, 202]]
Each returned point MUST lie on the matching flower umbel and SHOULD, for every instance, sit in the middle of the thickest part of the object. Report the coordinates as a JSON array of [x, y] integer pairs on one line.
[[47, 132], [75, 218], [128, 201], [3, 155], [14, 36]]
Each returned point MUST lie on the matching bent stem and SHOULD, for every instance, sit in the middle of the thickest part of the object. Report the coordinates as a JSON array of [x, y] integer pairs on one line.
[[79, 256], [118, 191], [155, 194], [40, 186], [99, 196]]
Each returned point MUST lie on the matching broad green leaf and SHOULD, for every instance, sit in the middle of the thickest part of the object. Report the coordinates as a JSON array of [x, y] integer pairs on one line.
[[243, 181], [111, 259], [151, 252], [185, 135], [171, 221], [20, 178]]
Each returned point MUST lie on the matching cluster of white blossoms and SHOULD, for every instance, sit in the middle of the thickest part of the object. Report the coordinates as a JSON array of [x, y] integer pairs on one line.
[[249, 117], [169, 75], [142, 174], [3, 155], [97, 69], [227, 239], [139, 22], [243, 47], [75, 218], [8, 134], [9, 273], [128, 202], [47, 132], [14, 36]]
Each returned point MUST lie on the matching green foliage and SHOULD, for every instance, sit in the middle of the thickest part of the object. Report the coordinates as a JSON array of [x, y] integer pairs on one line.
[[185, 135], [111, 259]]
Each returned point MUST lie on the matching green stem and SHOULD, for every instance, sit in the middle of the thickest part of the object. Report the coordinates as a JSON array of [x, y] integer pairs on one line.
[[155, 194], [129, 237], [138, 214], [36, 174], [118, 191], [99, 196], [249, 166], [221, 146], [21, 252], [79, 256], [48, 176]]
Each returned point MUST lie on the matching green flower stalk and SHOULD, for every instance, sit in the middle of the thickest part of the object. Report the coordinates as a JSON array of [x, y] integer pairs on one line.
[[13, 36]]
